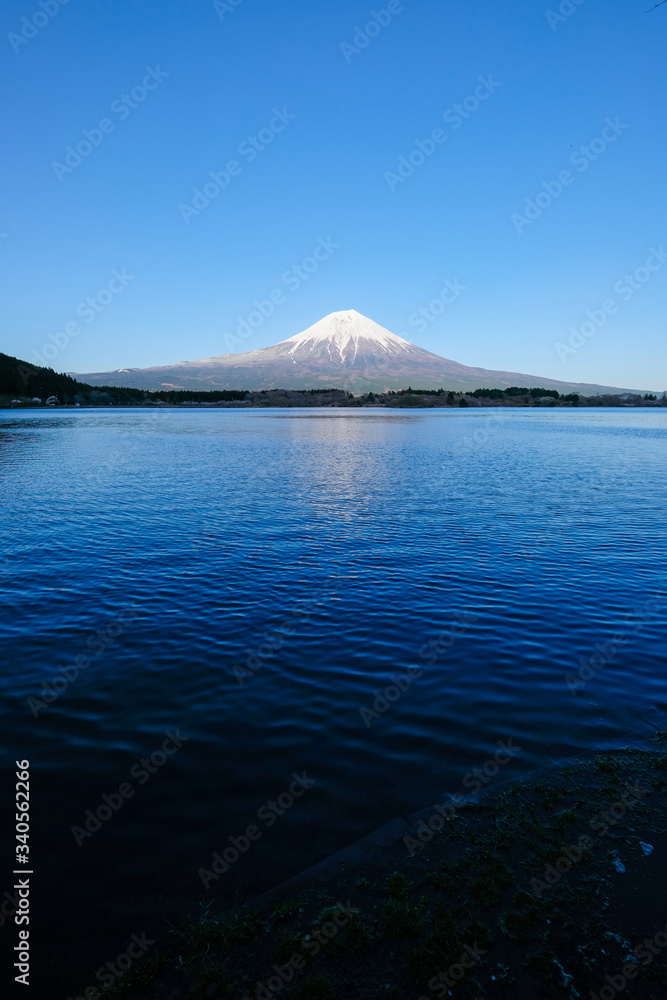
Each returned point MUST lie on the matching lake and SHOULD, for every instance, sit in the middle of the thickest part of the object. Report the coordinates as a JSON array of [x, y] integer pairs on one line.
[[217, 600]]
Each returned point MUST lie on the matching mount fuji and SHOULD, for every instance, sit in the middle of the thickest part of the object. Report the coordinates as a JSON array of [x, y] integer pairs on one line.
[[344, 350]]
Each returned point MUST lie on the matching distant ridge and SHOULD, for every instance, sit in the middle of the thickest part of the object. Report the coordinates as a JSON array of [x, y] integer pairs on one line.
[[344, 350]]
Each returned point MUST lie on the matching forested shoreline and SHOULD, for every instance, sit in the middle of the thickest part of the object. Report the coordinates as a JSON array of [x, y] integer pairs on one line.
[[24, 385]]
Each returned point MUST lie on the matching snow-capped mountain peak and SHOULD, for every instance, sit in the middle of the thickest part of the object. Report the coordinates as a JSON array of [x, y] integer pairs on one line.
[[343, 350], [343, 336]]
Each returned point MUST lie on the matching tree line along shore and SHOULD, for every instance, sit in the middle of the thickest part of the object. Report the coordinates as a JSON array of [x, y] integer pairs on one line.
[[24, 385]]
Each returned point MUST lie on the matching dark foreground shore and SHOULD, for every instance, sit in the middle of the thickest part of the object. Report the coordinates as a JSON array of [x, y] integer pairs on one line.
[[551, 888]]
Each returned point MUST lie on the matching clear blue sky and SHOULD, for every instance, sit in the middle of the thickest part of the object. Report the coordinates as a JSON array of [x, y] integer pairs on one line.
[[323, 175]]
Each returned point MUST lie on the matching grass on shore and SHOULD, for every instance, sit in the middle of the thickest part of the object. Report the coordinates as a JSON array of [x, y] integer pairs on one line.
[[497, 905]]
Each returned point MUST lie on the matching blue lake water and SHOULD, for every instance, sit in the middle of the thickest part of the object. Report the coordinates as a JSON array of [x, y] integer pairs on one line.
[[317, 553]]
